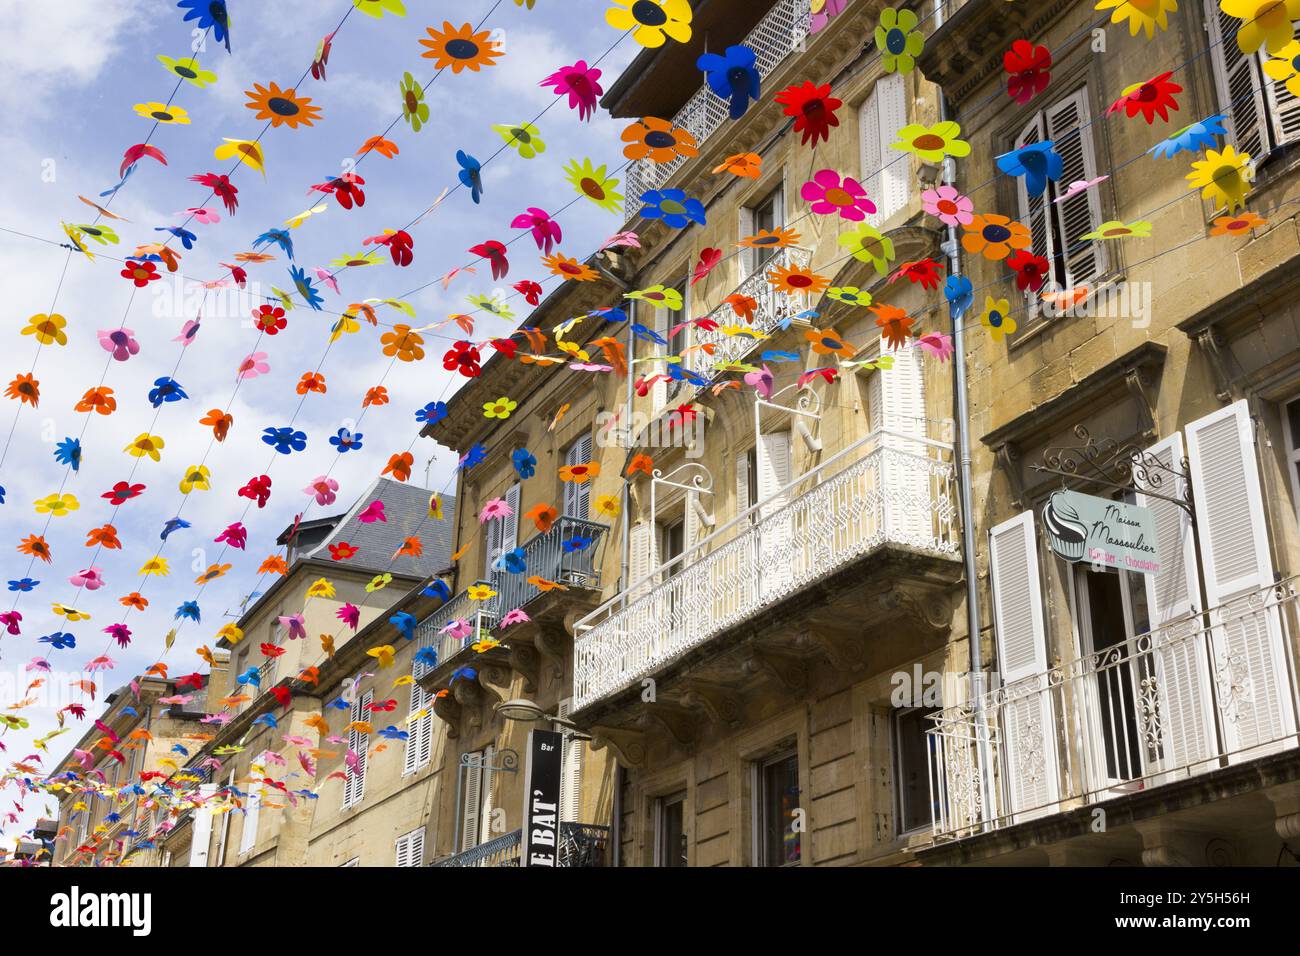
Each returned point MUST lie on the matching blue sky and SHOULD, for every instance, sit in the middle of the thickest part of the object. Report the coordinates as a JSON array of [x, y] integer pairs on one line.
[[70, 74]]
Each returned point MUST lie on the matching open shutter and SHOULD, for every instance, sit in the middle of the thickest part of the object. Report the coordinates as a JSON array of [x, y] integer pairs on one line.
[[1240, 86], [485, 805], [202, 826], [1186, 703], [1283, 105], [472, 798], [1035, 212], [886, 173], [1068, 127], [419, 742], [1028, 727], [510, 530], [644, 558], [354, 784], [897, 400], [252, 810], [570, 771], [1250, 660], [776, 556], [577, 497]]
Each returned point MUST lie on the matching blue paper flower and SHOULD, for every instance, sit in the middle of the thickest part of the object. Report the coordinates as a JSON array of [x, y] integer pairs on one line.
[[1192, 139], [960, 295], [733, 76], [68, 452], [2, 494], [190, 611], [1037, 162], [186, 237], [577, 543], [175, 524], [405, 623], [427, 656], [58, 640], [473, 457], [278, 237], [512, 562], [23, 584], [673, 207], [211, 14], [305, 288], [437, 588], [471, 175], [678, 373], [525, 462], [778, 355], [431, 413], [647, 334], [165, 390], [610, 314], [346, 441], [285, 440], [392, 733], [250, 676]]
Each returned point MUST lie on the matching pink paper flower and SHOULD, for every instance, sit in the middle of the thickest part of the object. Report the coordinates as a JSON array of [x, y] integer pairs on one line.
[[829, 11], [373, 512], [629, 239], [121, 342], [517, 616], [937, 344], [188, 331], [120, 633], [327, 278], [1080, 186], [495, 510], [761, 381], [253, 366], [948, 205], [10, 620], [205, 216], [323, 488], [458, 629], [829, 193], [236, 535], [546, 231], [92, 579], [581, 84], [349, 614], [294, 624]]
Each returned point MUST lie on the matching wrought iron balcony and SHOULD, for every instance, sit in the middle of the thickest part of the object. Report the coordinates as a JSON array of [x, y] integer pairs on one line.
[[777, 35], [1188, 698], [581, 845], [885, 490]]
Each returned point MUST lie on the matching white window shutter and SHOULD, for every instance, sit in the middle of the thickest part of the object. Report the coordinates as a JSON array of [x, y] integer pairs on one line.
[[493, 539], [643, 544], [354, 784], [1068, 126], [570, 772], [895, 165], [472, 798], [202, 826], [1283, 105], [776, 552], [419, 742], [1239, 82], [410, 849], [1186, 702], [1028, 727], [485, 806], [510, 534], [773, 470], [742, 483], [577, 497], [1250, 659], [252, 810], [871, 152], [906, 476]]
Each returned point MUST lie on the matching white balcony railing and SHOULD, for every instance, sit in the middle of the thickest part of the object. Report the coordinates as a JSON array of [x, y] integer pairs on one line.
[[777, 35], [885, 489], [1198, 694]]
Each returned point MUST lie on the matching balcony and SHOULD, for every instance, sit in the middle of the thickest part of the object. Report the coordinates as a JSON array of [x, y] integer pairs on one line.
[[581, 845], [1192, 697], [781, 32], [886, 492]]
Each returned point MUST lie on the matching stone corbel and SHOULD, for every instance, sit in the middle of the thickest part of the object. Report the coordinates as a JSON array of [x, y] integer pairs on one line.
[[721, 704], [627, 745], [931, 610], [1163, 845], [526, 662], [550, 642], [1139, 389], [787, 671], [680, 723], [1009, 459], [449, 711], [470, 695], [1207, 340], [842, 650], [495, 680]]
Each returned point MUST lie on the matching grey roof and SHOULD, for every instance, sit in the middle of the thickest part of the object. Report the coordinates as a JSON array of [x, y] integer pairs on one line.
[[406, 508]]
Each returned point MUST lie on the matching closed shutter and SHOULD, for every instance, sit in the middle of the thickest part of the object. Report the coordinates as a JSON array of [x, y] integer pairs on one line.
[[577, 497], [1186, 703], [1250, 661], [570, 771], [225, 824], [1036, 213], [1068, 126], [419, 742], [252, 809], [643, 558], [742, 483], [1283, 105], [354, 784], [510, 534], [202, 827], [485, 805], [897, 406], [745, 227], [1239, 83], [886, 174], [410, 849], [472, 797], [776, 545], [773, 470], [692, 529], [1028, 728]]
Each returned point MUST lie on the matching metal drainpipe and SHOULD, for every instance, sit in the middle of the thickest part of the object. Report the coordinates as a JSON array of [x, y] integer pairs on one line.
[[962, 409]]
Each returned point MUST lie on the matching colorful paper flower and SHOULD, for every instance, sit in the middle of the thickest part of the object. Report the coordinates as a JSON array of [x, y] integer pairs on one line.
[[580, 83], [162, 113], [323, 489], [995, 237], [658, 141], [996, 318], [1119, 230], [898, 40], [146, 446], [1263, 23], [459, 48], [281, 107], [1037, 163], [285, 440], [595, 184], [1223, 177], [733, 76], [1030, 269], [796, 280], [1236, 225], [1154, 97], [829, 194], [523, 138], [1148, 15], [652, 22], [414, 110], [1028, 70], [813, 109], [867, 244], [673, 208], [48, 329], [948, 205]]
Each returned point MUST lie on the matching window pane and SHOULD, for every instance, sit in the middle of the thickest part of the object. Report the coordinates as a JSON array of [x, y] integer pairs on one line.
[[672, 835], [912, 769], [780, 800]]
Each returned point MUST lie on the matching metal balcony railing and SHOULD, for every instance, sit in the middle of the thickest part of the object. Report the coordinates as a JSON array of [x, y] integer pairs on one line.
[[885, 489], [581, 845], [777, 35], [1201, 693]]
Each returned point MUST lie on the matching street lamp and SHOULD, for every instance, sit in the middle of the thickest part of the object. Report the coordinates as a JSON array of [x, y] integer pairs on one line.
[[523, 709]]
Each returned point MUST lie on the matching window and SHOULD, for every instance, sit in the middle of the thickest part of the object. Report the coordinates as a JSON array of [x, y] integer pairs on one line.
[[767, 214], [912, 768], [225, 825], [410, 849], [670, 830], [502, 535], [886, 172], [570, 769], [354, 783], [476, 799], [419, 743], [1263, 114], [577, 497], [1292, 428], [252, 810], [747, 481], [777, 796], [1056, 227]]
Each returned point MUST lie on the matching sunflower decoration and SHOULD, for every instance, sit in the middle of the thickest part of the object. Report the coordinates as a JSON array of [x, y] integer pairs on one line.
[[653, 22], [25, 390], [377, 8], [796, 280], [932, 143], [778, 238], [1119, 230], [281, 107], [658, 140], [898, 40], [594, 183], [995, 237], [414, 110], [359, 260], [1264, 23], [524, 138], [1223, 177], [1148, 15], [1284, 67], [566, 268], [459, 48], [997, 319], [188, 69], [867, 244], [162, 113], [48, 329], [1236, 225]]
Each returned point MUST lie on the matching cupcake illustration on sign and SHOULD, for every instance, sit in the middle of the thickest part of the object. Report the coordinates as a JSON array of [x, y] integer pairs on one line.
[[1065, 532]]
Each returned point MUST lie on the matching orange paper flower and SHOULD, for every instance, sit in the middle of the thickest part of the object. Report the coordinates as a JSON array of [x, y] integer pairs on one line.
[[375, 396], [134, 600], [34, 546], [895, 324], [99, 400], [543, 516], [643, 463], [219, 421], [26, 389], [311, 382], [399, 466], [105, 536]]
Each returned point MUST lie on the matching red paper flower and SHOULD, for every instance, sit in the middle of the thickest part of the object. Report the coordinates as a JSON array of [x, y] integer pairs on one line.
[[1028, 70], [122, 492], [141, 273], [400, 246], [1154, 96], [258, 489], [531, 291], [269, 319], [924, 273], [346, 189], [464, 358], [1030, 270], [341, 551], [709, 259], [495, 253], [813, 109]]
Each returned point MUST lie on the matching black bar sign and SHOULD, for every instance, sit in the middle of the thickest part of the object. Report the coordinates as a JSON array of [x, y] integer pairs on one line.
[[542, 798]]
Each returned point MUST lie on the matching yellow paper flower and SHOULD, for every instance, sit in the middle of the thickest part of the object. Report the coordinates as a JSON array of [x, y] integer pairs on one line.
[[607, 505], [146, 444], [481, 592], [71, 614], [155, 567], [245, 150], [932, 143], [48, 329], [898, 40], [379, 582], [654, 22], [483, 645], [1119, 230], [594, 183], [1285, 67], [435, 507], [867, 244], [231, 633], [1263, 22], [196, 478], [162, 113], [1223, 177], [321, 588], [188, 69], [501, 408], [1148, 15], [57, 505], [996, 319], [384, 654]]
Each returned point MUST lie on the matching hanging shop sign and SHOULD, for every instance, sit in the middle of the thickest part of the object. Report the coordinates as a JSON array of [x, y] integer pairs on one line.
[[1101, 531], [542, 799]]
